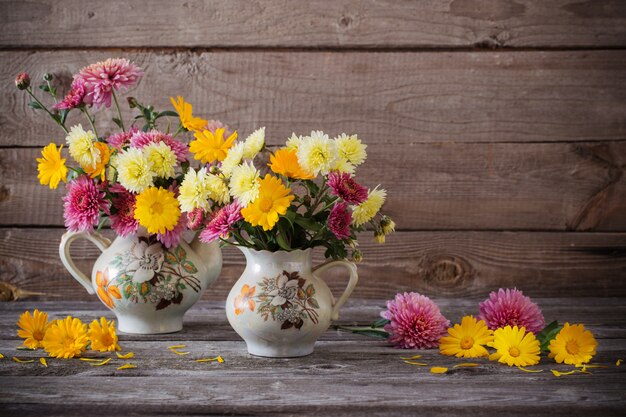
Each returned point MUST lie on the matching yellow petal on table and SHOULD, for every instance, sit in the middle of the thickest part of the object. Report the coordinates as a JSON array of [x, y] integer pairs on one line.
[[532, 371], [588, 366], [412, 357], [2, 356], [618, 362], [466, 365], [104, 362], [18, 360], [91, 359], [24, 348], [416, 363], [128, 355], [179, 352], [557, 373], [43, 362], [176, 347], [126, 366], [438, 370], [218, 359]]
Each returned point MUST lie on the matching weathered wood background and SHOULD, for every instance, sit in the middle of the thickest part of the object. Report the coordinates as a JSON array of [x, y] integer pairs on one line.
[[498, 126]]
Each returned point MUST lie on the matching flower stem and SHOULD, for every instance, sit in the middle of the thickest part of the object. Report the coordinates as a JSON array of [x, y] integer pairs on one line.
[[119, 112], [84, 110], [179, 130], [30, 92]]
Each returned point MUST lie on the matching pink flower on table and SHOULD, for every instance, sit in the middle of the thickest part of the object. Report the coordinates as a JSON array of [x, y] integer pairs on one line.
[[339, 221], [141, 139], [221, 223], [171, 238], [415, 322], [121, 139], [102, 78], [74, 97], [345, 187], [82, 204], [511, 307], [123, 221]]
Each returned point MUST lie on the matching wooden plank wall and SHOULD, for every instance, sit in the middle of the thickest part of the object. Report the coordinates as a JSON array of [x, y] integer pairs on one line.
[[498, 126]]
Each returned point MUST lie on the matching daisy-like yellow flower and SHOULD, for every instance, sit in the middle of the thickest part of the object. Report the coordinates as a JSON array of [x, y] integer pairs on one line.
[[351, 149], [157, 210], [285, 162], [274, 200], [254, 143], [218, 189], [66, 338], [99, 170], [244, 183], [317, 153], [134, 170], [366, 211], [32, 328], [194, 191], [210, 147], [466, 340], [185, 115], [515, 347], [162, 158], [573, 345], [82, 147], [233, 158], [102, 335], [51, 167]]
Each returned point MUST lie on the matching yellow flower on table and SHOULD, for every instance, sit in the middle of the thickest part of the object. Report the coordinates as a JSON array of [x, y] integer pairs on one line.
[[185, 114], [573, 345], [285, 162], [466, 340], [515, 347], [66, 338], [103, 336], [273, 200], [51, 167], [32, 328], [210, 147], [99, 169], [157, 210]]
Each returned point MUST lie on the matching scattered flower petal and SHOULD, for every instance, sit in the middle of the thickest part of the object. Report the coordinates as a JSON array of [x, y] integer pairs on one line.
[[43, 362], [176, 347], [438, 370], [91, 359], [2, 357], [416, 363], [24, 348], [128, 355], [558, 374], [619, 362], [218, 359], [126, 366], [18, 360], [466, 365], [179, 352], [532, 371], [410, 358], [585, 366], [104, 362]]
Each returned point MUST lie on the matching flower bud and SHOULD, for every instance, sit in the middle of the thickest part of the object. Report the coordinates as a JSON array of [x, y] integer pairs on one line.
[[357, 256], [380, 236], [387, 225], [214, 170], [132, 102], [48, 77], [22, 81]]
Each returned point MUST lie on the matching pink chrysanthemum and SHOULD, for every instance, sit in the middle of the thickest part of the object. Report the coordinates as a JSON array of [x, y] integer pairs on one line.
[[123, 221], [195, 218], [171, 238], [74, 97], [345, 187], [339, 221], [121, 139], [511, 307], [103, 77], [141, 139], [82, 204], [416, 322], [221, 223]]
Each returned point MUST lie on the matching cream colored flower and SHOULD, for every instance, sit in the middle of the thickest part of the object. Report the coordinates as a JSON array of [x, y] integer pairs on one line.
[[218, 189], [233, 158], [134, 170], [194, 192], [162, 158], [317, 153], [351, 149], [342, 165], [366, 211], [254, 143], [244, 183], [293, 143], [82, 148]]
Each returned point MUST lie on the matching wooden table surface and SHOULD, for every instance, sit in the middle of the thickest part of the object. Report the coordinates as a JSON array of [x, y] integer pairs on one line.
[[346, 375]]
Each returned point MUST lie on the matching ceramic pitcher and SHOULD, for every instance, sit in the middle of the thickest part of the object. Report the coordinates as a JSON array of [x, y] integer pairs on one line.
[[280, 306], [147, 286]]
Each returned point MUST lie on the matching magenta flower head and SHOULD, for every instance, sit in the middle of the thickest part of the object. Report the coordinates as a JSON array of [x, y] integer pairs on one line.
[[121, 139], [22, 81], [339, 221], [415, 322], [123, 220], [511, 307], [82, 204], [195, 218], [74, 97], [221, 223], [141, 139], [102, 78], [345, 187]]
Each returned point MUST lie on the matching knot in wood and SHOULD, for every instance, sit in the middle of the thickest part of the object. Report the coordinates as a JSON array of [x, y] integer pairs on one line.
[[446, 271]]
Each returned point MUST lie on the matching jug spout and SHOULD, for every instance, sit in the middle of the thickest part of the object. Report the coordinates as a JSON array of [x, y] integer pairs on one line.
[[210, 254]]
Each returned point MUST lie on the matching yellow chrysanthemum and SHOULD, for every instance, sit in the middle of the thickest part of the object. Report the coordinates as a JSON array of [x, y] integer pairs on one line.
[[82, 147], [244, 183], [293, 143], [285, 162], [210, 147], [317, 153], [32, 328], [66, 338], [134, 170], [51, 166], [99, 170], [515, 347], [365, 211], [185, 115], [233, 158], [103, 336], [573, 345], [342, 165], [194, 191], [351, 149], [466, 340], [274, 200], [254, 143], [218, 189], [157, 210], [162, 158]]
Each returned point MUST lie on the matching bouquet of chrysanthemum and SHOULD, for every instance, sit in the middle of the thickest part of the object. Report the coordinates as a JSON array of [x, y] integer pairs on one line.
[[305, 197]]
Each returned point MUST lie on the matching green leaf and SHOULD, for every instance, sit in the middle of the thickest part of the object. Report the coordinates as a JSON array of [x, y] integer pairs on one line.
[[189, 267], [44, 87], [308, 223], [548, 334], [313, 303], [33, 104], [368, 332], [64, 114], [167, 113], [380, 323], [118, 122], [282, 242]]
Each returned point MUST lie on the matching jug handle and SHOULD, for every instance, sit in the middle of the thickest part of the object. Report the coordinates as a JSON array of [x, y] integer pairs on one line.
[[354, 278], [96, 238]]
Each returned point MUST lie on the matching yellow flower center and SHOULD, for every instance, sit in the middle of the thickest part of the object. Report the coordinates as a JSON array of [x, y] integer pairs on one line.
[[265, 205], [106, 339], [156, 208], [68, 342], [514, 351], [572, 347], [467, 342], [38, 335]]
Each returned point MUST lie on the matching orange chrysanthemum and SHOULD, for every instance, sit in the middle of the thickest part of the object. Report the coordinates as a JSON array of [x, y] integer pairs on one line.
[[285, 162], [185, 114], [32, 328], [210, 147]]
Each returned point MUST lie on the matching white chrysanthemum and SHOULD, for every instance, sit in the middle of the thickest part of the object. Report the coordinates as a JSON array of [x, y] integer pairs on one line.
[[134, 170], [218, 189], [163, 159], [351, 149], [317, 153], [342, 165], [81, 147], [194, 191], [254, 143], [244, 183], [111, 170], [233, 158], [293, 143], [366, 211]]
